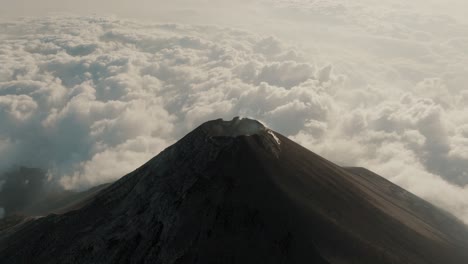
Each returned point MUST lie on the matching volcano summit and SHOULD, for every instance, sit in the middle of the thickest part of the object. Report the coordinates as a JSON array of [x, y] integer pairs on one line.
[[237, 192]]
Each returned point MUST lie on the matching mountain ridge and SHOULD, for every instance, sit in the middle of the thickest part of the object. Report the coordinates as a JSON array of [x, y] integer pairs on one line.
[[217, 198]]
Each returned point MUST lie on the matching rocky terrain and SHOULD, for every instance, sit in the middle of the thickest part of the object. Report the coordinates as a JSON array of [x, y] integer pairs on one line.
[[237, 192]]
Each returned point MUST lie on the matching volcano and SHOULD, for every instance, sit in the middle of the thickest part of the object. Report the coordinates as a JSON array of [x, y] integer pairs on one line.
[[238, 192]]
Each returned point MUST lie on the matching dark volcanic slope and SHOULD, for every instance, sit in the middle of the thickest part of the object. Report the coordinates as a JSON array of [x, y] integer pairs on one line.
[[26, 193], [219, 196]]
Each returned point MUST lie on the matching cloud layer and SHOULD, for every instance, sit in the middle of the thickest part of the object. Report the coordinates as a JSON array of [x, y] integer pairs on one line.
[[91, 99], [94, 98]]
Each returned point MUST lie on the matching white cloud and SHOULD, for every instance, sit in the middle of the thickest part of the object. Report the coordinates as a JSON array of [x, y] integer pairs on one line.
[[99, 97], [93, 98]]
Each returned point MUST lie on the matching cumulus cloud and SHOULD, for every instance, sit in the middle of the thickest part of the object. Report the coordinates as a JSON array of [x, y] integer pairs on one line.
[[90, 99]]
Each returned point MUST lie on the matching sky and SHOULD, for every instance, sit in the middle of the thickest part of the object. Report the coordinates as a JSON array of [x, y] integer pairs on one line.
[[90, 90]]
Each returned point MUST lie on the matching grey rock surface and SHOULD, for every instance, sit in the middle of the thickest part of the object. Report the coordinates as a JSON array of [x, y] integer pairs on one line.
[[236, 192]]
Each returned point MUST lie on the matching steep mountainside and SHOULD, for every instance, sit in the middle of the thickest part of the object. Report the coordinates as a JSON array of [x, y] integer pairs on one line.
[[236, 192]]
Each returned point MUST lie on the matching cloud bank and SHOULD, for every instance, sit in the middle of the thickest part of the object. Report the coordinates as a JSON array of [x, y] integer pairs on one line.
[[94, 98], [91, 99]]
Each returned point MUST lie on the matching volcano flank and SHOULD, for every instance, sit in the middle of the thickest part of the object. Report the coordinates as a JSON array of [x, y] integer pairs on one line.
[[238, 192]]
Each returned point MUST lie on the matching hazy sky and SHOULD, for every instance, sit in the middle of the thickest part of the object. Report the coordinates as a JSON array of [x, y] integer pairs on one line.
[[86, 85], [147, 7]]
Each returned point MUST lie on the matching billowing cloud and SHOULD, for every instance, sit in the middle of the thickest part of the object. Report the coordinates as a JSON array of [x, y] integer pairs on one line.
[[90, 99]]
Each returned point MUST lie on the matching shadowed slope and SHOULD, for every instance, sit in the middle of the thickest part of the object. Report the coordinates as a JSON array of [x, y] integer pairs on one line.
[[443, 221], [238, 199]]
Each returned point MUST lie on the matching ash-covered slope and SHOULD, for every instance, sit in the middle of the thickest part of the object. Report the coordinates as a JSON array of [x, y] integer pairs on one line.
[[26, 192], [236, 192]]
